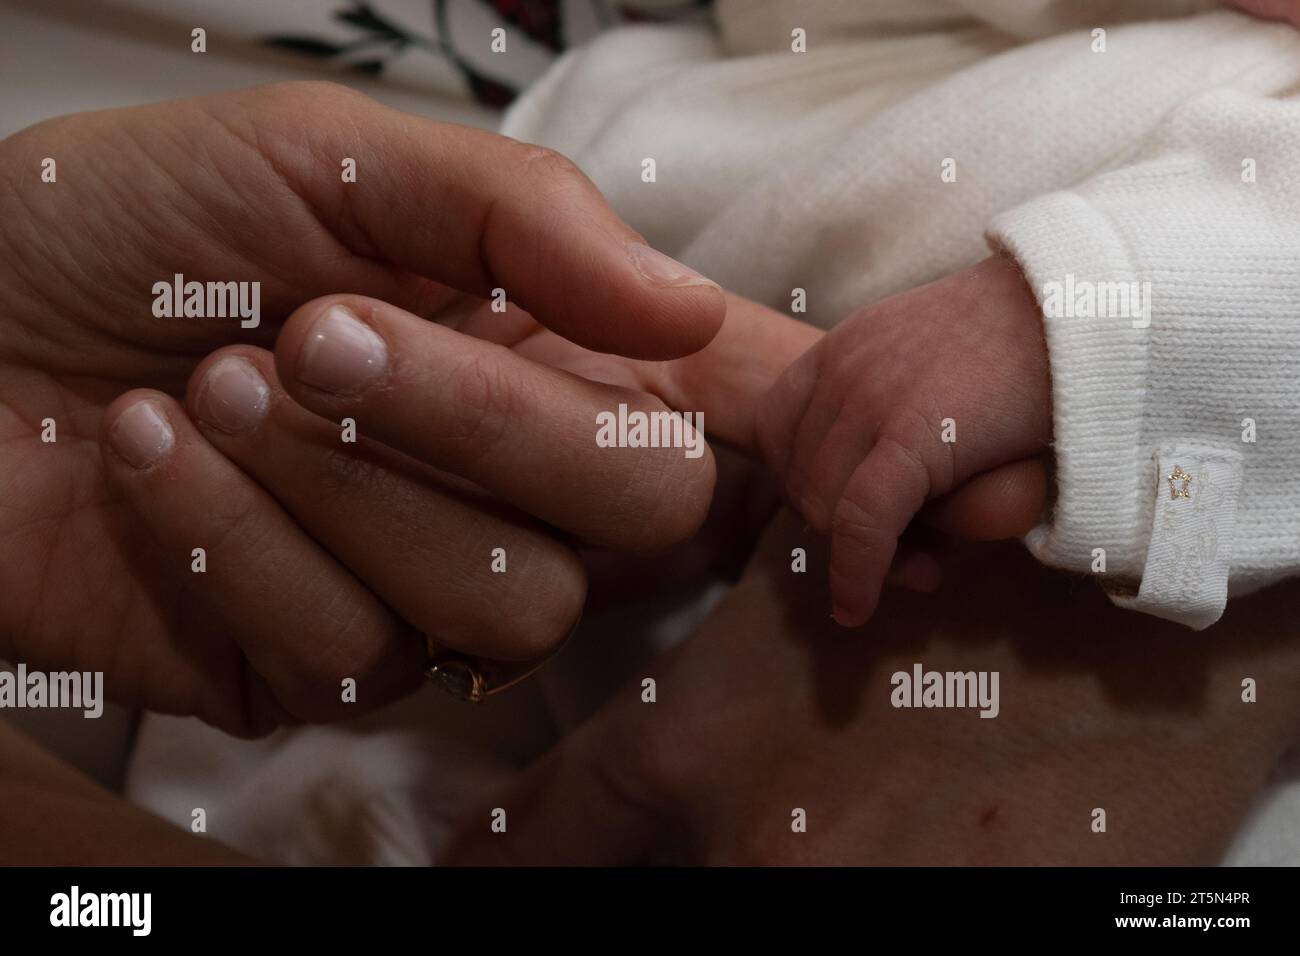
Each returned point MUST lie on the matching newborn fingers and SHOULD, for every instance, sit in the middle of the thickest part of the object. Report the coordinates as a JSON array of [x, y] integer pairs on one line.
[[878, 503]]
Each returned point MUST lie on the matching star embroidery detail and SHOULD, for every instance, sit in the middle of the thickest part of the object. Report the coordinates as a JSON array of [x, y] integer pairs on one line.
[[1178, 475]]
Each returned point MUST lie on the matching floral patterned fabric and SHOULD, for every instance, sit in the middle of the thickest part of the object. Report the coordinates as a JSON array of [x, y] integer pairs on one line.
[[445, 46]]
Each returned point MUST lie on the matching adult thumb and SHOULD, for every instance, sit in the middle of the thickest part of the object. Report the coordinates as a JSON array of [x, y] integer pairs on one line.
[[479, 212]]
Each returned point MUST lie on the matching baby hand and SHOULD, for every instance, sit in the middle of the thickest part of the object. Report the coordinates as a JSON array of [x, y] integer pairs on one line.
[[901, 404]]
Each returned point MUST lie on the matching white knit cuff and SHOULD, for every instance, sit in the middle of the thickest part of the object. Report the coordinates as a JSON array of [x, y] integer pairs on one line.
[[1099, 373], [1177, 440]]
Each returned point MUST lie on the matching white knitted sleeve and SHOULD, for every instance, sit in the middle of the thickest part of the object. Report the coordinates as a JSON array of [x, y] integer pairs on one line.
[[1170, 291]]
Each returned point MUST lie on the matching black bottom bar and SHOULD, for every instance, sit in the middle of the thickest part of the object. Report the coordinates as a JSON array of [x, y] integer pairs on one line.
[[333, 907]]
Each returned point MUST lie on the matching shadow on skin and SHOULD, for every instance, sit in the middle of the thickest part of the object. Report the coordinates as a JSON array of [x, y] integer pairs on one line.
[[1052, 623]]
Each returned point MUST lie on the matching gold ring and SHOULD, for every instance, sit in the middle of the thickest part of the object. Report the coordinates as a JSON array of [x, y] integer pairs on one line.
[[477, 678]]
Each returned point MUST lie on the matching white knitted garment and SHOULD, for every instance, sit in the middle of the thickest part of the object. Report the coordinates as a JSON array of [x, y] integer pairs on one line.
[[821, 171], [1222, 257]]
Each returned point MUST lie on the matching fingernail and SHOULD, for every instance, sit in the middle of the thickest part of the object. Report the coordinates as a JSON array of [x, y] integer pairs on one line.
[[663, 270], [846, 618], [141, 435], [232, 396], [342, 354]]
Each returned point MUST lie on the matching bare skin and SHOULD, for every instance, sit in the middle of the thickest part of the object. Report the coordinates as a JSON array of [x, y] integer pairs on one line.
[[95, 554], [55, 816], [770, 706], [328, 561], [855, 429], [763, 665]]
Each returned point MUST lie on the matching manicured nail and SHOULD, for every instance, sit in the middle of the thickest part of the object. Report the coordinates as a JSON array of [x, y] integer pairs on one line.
[[663, 270], [232, 396], [141, 435], [342, 354]]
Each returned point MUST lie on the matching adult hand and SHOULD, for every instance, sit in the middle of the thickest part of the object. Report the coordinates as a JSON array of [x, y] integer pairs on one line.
[[324, 560]]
